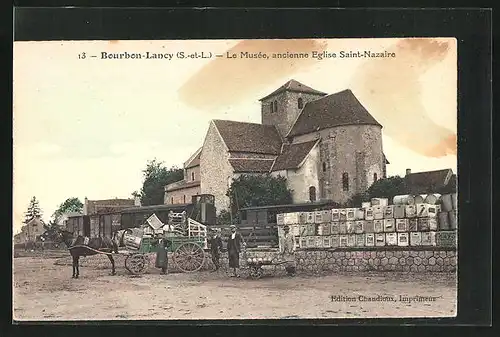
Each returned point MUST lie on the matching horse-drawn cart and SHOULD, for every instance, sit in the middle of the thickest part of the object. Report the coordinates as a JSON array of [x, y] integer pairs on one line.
[[186, 241]]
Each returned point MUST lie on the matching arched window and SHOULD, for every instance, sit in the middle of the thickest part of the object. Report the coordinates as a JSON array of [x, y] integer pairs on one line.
[[275, 106], [192, 176], [312, 193], [324, 167], [345, 181], [375, 178], [300, 103]]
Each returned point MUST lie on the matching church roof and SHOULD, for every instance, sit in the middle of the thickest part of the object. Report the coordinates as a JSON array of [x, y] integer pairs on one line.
[[293, 155], [251, 165], [342, 108], [294, 86], [194, 160], [439, 181], [249, 137]]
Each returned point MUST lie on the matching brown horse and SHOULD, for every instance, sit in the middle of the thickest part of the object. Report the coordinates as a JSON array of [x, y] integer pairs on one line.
[[84, 246]]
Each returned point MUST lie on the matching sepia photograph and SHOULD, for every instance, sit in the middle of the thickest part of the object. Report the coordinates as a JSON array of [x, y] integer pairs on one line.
[[235, 179]]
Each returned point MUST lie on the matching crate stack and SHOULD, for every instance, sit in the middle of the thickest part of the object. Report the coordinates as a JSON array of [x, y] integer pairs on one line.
[[374, 224]]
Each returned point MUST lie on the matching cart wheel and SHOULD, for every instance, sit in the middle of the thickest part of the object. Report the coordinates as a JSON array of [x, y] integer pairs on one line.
[[189, 257], [256, 272], [137, 264]]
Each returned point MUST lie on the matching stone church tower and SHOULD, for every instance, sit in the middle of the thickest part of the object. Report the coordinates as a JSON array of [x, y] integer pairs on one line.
[[283, 106]]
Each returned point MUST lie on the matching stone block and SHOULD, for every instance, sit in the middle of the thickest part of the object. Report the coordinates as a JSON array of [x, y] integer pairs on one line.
[[351, 262], [454, 261], [373, 254], [389, 254], [405, 253], [429, 253], [381, 254], [409, 261], [344, 262], [355, 268], [384, 261], [370, 261], [413, 268], [421, 268], [393, 260], [413, 253], [399, 267], [442, 254], [417, 261], [450, 253], [432, 261], [402, 261], [366, 255], [421, 254], [398, 254], [348, 254], [425, 261], [439, 261], [376, 261], [329, 254], [406, 268]]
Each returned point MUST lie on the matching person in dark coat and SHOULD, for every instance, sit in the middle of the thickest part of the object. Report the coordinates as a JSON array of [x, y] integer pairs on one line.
[[162, 256], [234, 243], [215, 244]]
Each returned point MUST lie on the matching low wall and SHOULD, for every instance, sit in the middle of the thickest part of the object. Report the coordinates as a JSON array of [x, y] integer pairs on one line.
[[428, 259]]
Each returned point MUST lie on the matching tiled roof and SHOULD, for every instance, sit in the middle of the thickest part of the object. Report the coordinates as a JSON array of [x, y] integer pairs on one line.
[[293, 155], [294, 86], [249, 137], [430, 181], [182, 185], [194, 160], [251, 165], [342, 108]]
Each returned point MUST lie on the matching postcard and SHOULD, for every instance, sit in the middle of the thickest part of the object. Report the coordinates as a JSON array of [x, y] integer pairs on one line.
[[235, 179]]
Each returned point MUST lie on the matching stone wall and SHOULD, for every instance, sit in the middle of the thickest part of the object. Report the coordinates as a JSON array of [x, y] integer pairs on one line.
[[400, 259], [216, 172]]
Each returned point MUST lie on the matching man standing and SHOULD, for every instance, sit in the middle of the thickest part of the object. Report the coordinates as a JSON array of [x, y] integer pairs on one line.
[[162, 256], [233, 249], [287, 250], [215, 244]]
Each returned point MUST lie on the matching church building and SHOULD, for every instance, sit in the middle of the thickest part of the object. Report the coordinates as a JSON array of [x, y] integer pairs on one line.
[[328, 146]]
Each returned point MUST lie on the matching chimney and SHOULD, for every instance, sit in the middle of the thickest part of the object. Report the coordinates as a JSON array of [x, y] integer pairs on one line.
[[408, 171], [137, 201], [85, 206]]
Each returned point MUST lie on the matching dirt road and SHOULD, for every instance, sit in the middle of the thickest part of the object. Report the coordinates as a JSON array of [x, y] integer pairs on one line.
[[45, 291]]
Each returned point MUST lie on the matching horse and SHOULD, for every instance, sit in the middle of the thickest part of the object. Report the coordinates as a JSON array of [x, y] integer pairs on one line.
[[84, 246]]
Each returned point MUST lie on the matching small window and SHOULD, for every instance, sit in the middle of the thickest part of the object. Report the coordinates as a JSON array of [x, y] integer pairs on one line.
[[345, 181], [324, 167], [300, 103], [184, 199], [275, 106], [375, 178], [172, 200], [192, 176], [312, 193]]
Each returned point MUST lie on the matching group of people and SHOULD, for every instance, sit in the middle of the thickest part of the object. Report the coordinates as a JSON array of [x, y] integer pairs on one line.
[[234, 245]]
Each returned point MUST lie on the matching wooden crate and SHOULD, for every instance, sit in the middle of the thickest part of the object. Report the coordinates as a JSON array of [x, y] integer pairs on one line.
[[389, 212], [311, 229], [327, 243], [343, 214], [335, 215], [351, 240], [343, 241], [335, 241], [280, 219], [389, 225], [402, 225], [403, 239], [335, 228], [378, 226], [428, 239], [318, 217], [326, 229], [399, 211], [326, 216], [311, 241], [309, 217], [427, 224], [303, 230], [413, 224], [391, 239], [360, 214], [303, 242], [378, 212], [360, 240], [351, 214], [369, 226], [359, 226], [426, 210], [369, 213], [410, 211], [351, 227], [453, 219], [415, 238], [446, 238], [369, 239], [379, 239], [343, 227]]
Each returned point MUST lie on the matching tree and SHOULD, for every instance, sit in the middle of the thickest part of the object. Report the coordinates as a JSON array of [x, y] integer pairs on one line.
[[382, 188], [33, 210], [258, 190], [69, 205], [156, 177]]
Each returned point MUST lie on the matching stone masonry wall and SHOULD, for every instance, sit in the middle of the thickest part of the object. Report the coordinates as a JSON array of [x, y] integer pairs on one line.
[[400, 260]]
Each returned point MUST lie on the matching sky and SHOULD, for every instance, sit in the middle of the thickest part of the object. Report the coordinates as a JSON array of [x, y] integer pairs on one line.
[[86, 127]]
